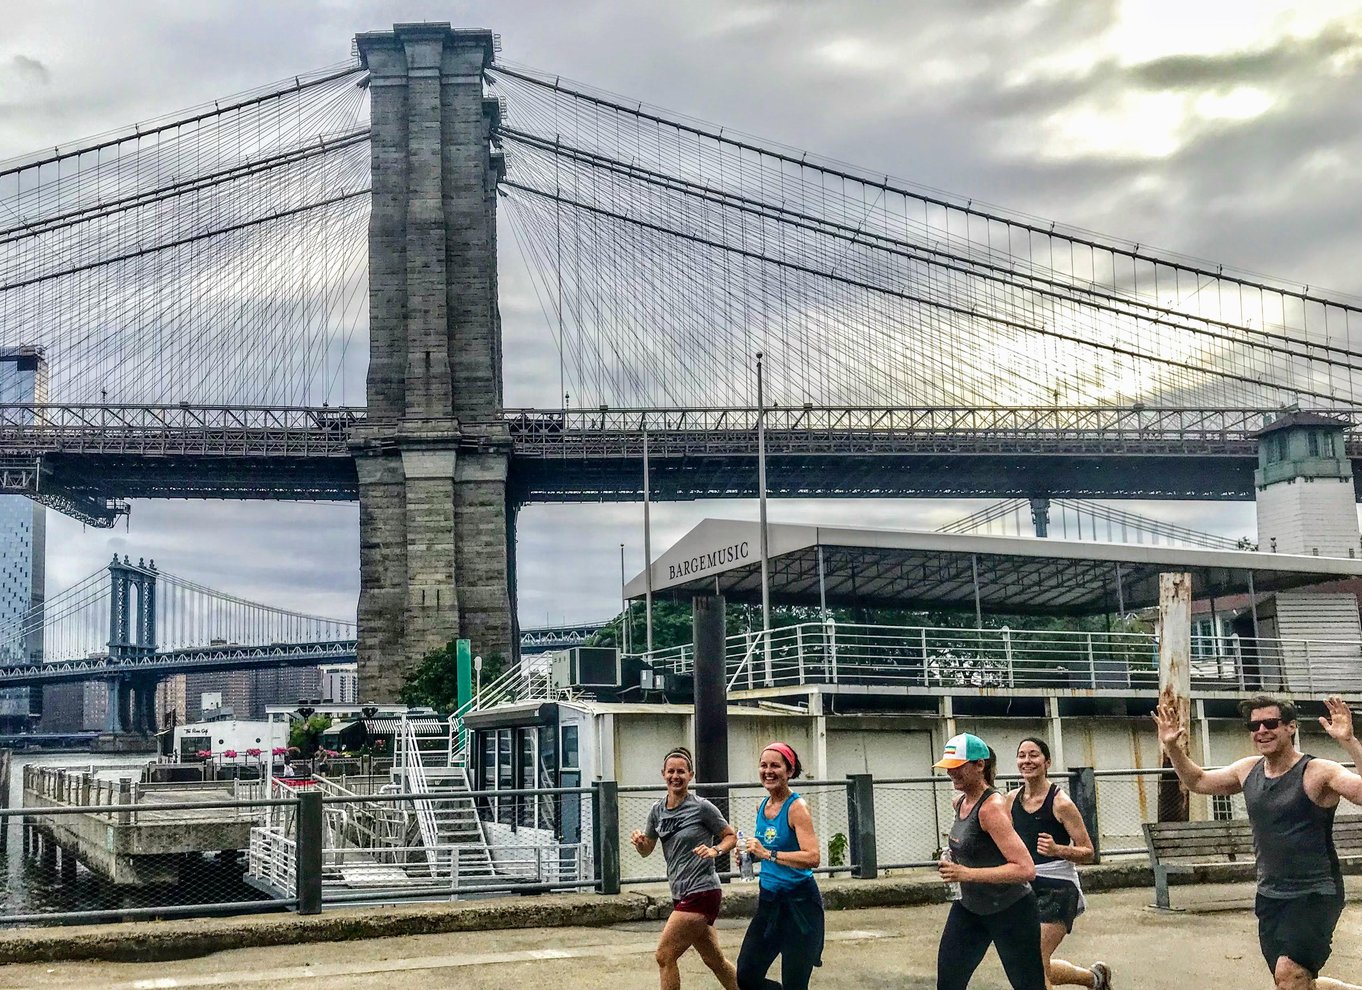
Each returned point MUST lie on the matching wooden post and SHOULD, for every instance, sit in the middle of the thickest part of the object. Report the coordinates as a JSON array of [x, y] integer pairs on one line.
[[1175, 681]]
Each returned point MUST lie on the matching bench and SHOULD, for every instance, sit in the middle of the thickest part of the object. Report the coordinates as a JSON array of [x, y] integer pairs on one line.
[[1180, 847]]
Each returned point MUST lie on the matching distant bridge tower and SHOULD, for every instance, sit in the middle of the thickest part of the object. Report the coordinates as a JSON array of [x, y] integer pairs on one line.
[[436, 533], [132, 636]]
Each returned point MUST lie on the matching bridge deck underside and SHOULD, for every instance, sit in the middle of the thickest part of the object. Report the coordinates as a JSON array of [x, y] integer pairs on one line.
[[691, 476]]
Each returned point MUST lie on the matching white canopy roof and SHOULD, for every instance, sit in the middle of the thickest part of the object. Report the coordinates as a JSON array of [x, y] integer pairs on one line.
[[915, 569]]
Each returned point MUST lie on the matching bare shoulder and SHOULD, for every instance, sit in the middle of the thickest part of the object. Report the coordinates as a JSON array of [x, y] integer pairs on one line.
[[1241, 767], [799, 809], [1063, 802], [993, 808]]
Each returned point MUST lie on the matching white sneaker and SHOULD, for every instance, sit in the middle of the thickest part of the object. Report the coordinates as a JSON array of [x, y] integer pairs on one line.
[[1101, 976]]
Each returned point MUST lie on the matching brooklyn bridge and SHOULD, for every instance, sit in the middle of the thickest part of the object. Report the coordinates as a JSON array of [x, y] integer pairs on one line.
[[186, 293]]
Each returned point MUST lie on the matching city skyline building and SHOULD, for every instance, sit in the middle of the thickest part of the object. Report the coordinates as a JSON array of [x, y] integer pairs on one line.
[[23, 545]]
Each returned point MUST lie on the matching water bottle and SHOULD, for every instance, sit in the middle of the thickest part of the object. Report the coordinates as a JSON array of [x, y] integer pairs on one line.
[[952, 887], [745, 869]]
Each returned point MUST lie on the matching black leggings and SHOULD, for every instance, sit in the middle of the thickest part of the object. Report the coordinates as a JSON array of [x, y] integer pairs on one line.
[[793, 931], [1014, 931]]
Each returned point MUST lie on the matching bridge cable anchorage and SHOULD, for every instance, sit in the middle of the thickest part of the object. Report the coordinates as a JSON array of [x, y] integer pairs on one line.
[[680, 247]]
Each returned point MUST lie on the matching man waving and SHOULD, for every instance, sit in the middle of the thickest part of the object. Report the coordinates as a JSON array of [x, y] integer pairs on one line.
[[1291, 799]]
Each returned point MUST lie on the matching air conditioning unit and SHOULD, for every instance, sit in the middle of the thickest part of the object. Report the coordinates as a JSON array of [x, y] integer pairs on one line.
[[586, 667]]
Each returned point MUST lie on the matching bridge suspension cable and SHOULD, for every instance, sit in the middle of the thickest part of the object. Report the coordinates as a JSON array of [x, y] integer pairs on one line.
[[666, 251], [1084, 519], [216, 256]]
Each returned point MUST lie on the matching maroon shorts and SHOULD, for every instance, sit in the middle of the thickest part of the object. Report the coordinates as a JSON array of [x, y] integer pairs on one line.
[[704, 902]]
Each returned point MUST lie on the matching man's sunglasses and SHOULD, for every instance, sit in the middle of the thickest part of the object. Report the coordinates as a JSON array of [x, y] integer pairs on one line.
[[1254, 724]]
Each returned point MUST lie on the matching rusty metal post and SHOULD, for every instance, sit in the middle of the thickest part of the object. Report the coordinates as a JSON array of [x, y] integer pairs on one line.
[[1175, 681]]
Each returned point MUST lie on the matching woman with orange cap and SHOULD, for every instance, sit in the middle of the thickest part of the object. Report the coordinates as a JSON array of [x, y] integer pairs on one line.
[[789, 918], [990, 862]]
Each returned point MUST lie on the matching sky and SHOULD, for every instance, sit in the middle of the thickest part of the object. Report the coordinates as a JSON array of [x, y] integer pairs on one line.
[[1227, 131]]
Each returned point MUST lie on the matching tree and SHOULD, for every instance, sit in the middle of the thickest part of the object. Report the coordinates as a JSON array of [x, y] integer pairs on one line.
[[434, 683], [306, 734]]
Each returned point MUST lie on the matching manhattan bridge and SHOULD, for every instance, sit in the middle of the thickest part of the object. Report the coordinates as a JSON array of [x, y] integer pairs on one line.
[[210, 290]]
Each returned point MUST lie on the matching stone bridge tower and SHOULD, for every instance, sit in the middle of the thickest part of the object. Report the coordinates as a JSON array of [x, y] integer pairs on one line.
[[436, 539]]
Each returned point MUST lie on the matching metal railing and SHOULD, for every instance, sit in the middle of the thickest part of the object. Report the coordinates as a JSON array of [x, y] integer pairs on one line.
[[946, 659], [313, 846]]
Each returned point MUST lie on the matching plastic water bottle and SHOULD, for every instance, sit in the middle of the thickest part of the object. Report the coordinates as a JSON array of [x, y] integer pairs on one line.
[[952, 887], [745, 869]]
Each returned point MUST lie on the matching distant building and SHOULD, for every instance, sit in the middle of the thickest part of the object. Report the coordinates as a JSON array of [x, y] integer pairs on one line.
[[248, 692], [23, 544], [340, 683]]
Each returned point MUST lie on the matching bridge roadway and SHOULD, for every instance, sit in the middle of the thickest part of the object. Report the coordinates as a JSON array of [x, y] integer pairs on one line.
[[180, 661], [233, 657], [79, 457]]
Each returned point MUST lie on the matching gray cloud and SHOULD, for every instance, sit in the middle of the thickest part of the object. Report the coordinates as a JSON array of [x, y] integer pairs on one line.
[[29, 70]]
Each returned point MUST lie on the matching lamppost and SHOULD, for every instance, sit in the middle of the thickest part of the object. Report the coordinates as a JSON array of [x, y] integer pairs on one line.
[[761, 511]]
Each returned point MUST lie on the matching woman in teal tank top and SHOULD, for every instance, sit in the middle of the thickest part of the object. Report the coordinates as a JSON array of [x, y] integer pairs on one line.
[[789, 918]]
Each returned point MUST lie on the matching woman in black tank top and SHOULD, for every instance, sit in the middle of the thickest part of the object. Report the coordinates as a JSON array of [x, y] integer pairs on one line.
[[1049, 824], [987, 859]]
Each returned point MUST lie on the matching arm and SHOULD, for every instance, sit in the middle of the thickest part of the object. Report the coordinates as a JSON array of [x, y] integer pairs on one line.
[[808, 857], [1225, 780], [1339, 724], [646, 841], [1079, 849], [1019, 868], [1338, 780]]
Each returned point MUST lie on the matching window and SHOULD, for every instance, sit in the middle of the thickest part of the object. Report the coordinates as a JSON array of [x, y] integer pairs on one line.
[[570, 748], [1222, 808], [1313, 439]]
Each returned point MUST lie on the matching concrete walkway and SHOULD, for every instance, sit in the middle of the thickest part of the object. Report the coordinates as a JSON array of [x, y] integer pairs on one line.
[[867, 948]]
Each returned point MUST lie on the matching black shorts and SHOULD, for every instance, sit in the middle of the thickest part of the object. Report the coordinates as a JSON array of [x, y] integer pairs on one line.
[[1057, 901], [1300, 928]]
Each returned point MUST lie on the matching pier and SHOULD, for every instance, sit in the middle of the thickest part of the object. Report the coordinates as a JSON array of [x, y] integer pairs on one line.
[[129, 833]]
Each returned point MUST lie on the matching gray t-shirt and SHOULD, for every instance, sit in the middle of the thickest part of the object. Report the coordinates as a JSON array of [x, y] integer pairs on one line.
[[691, 823]]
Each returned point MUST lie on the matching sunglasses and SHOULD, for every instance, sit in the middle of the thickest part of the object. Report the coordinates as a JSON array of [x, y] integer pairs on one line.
[[1254, 724]]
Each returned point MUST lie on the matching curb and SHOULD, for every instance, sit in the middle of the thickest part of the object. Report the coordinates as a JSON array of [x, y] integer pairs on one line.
[[155, 941]]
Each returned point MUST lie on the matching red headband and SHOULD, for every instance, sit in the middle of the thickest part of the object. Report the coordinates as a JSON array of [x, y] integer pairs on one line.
[[784, 751]]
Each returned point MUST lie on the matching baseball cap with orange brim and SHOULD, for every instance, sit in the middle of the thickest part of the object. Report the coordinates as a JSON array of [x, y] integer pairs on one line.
[[960, 750]]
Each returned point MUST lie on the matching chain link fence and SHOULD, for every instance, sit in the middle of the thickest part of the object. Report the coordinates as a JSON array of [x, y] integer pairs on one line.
[[828, 806], [103, 846]]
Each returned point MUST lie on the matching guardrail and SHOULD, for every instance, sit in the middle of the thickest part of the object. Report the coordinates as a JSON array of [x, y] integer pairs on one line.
[[944, 659], [315, 850]]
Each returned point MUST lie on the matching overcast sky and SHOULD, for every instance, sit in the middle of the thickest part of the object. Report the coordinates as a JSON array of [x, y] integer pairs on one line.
[[1225, 130]]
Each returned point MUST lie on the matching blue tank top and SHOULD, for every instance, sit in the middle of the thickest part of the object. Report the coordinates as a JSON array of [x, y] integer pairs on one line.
[[776, 835]]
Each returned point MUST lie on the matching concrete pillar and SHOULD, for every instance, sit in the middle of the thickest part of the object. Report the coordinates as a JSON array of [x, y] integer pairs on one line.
[[68, 866], [433, 457], [1056, 734], [113, 714]]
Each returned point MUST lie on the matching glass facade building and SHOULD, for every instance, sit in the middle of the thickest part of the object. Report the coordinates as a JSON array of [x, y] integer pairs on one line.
[[23, 541]]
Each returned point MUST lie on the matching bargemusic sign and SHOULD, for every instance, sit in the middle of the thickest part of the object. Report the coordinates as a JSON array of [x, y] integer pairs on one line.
[[731, 554]]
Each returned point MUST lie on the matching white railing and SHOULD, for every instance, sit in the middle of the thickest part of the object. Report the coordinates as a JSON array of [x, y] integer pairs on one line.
[[272, 858], [412, 767], [946, 659]]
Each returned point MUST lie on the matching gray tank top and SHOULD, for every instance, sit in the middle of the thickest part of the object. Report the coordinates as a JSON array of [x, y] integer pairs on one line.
[[972, 846], [1293, 838]]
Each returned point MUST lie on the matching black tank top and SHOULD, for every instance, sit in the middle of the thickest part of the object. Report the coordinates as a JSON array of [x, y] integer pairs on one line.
[[971, 845], [1029, 826], [1293, 838]]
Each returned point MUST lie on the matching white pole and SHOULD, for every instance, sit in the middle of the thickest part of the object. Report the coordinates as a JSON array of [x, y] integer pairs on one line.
[[647, 548], [761, 508]]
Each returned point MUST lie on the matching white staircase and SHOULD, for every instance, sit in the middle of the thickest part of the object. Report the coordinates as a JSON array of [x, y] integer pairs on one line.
[[447, 821]]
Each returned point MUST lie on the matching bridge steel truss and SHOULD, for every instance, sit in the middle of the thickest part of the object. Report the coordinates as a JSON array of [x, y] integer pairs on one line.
[[96, 455]]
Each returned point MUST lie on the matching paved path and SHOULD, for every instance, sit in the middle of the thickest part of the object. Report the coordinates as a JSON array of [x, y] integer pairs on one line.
[[867, 950]]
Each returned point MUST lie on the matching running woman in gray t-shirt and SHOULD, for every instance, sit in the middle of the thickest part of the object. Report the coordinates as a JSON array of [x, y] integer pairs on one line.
[[693, 834], [1291, 799]]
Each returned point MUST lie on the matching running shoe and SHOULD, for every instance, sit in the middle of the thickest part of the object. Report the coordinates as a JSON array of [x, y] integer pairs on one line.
[[1101, 976]]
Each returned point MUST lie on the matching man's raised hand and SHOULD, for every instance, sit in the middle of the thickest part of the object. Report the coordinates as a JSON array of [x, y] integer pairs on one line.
[[1339, 720], [1169, 728]]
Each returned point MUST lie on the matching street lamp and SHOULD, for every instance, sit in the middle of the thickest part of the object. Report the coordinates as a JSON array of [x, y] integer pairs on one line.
[[761, 511], [477, 682]]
